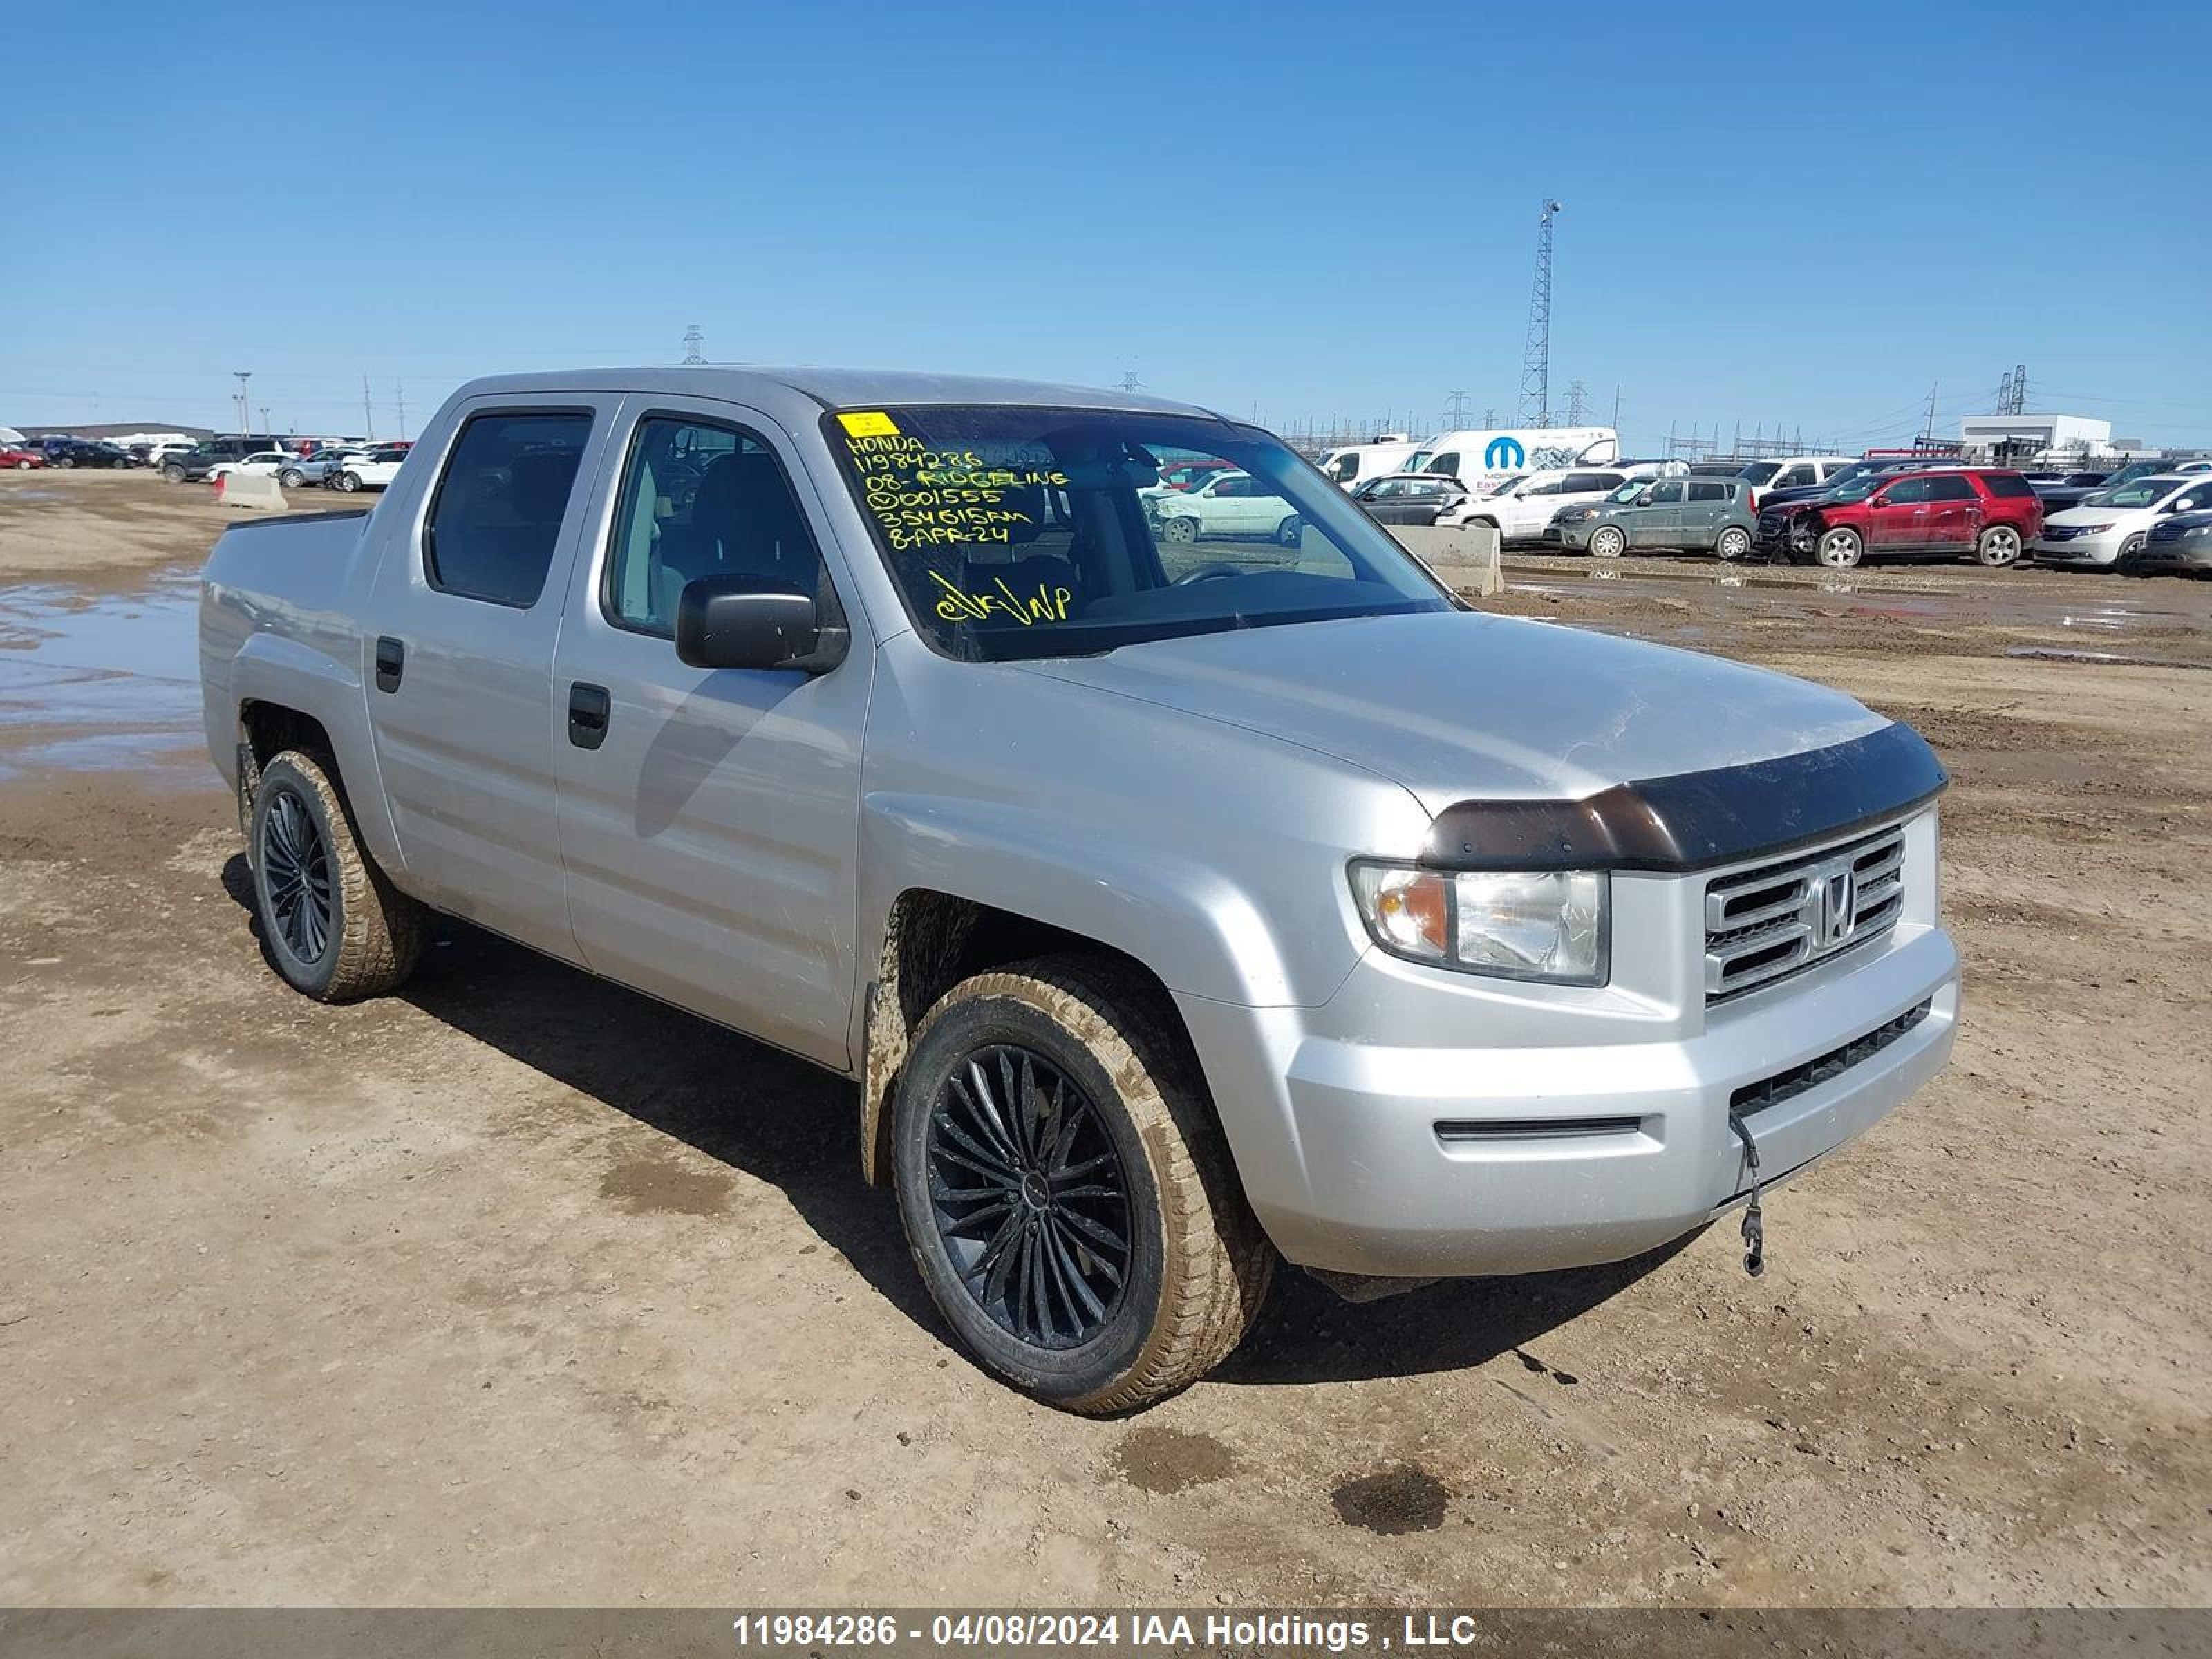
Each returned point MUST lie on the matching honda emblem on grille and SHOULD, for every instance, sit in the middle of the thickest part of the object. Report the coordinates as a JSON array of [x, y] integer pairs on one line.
[[1836, 897]]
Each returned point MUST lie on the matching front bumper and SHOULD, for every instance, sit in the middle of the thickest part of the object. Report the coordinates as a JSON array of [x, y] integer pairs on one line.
[[2176, 556], [1403, 1158], [1574, 536], [2103, 549]]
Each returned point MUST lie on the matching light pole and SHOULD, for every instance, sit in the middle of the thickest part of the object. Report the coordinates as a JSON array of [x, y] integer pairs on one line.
[[244, 412]]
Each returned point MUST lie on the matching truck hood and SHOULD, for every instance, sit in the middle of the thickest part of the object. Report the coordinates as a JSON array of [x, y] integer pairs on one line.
[[1456, 705]]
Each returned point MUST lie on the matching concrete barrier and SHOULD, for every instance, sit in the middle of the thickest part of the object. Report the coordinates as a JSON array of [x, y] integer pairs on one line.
[[1461, 556], [255, 489]]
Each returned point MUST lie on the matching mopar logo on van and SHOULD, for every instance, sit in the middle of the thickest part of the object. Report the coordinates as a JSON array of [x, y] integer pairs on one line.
[[1503, 454]]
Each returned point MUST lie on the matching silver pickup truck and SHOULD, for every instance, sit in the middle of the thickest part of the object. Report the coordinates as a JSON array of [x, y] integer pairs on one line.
[[1179, 903]]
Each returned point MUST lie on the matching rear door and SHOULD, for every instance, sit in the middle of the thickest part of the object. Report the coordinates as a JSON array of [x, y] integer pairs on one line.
[[467, 609], [709, 817], [1704, 508], [1955, 513]]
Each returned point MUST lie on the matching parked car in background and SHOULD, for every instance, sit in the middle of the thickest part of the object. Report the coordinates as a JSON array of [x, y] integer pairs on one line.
[[297, 471], [1992, 513], [2118, 518], [2158, 467], [1227, 505], [372, 469], [1692, 514], [157, 454], [1413, 498], [1716, 469], [267, 463], [1170, 915], [1179, 476], [2060, 490], [1519, 513], [22, 457], [1792, 472], [1355, 464], [2180, 542], [1779, 509], [193, 465], [79, 452]]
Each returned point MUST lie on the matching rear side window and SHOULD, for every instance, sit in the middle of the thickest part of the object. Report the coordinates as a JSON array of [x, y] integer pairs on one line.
[[2006, 484], [497, 517], [1951, 487], [1702, 491]]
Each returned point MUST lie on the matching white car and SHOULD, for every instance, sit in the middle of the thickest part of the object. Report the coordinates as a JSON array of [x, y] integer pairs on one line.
[[2117, 521], [267, 462], [371, 471], [1227, 504], [1520, 511]]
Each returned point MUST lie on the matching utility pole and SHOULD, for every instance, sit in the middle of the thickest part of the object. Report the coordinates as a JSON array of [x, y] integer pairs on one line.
[[694, 346], [265, 427], [368, 412], [1928, 426], [1616, 405], [399, 397], [1537, 354], [245, 414]]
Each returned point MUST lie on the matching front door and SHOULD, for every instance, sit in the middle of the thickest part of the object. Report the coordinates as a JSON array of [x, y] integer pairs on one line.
[[1658, 523], [1897, 518], [460, 681], [709, 817]]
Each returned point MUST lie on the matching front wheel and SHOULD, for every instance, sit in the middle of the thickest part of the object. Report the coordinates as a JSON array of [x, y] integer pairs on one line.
[[333, 925], [172, 474], [1175, 530], [291, 478], [22, 466], [2129, 547], [1609, 542], [1734, 543], [1840, 549], [1064, 1189], [348, 482]]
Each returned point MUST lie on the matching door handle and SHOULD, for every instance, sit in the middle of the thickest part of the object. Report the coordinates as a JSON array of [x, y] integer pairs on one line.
[[588, 708], [391, 662]]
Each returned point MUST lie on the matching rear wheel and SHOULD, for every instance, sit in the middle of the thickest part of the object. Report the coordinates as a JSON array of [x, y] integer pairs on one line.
[[291, 478], [1291, 532], [173, 473], [333, 925], [348, 482], [1998, 546], [22, 466], [1065, 1190], [1840, 549], [1609, 542], [1734, 543]]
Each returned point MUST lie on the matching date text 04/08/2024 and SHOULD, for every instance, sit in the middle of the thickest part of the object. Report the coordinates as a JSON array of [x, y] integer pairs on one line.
[[1166, 1631]]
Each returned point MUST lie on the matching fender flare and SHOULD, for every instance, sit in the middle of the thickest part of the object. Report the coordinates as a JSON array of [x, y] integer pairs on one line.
[[275, 669]]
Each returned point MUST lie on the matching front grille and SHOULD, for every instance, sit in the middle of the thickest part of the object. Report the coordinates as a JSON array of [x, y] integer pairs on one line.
[[1784, 1085], [1766, 924]]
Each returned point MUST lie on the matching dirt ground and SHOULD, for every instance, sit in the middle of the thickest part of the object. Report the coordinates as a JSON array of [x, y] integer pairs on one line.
[[518, 1288]]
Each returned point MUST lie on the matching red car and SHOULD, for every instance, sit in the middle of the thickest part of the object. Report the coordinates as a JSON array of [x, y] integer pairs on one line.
[[22, 459], [1993, 513]]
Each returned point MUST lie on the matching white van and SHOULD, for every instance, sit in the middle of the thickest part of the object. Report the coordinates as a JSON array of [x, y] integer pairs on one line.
[[1472, 457], [1353, 465]]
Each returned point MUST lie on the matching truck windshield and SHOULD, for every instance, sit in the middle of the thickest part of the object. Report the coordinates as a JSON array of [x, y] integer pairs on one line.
[[1020, 533]]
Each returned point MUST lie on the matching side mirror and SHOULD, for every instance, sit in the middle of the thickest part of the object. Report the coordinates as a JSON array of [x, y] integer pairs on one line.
[[744, 621]]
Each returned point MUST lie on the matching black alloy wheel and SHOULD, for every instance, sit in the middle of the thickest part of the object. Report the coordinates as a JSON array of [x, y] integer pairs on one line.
[[1030, 1197], [296, 869]]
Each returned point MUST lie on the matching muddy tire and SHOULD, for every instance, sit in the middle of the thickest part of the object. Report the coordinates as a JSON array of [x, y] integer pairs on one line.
[[1734, 543], [1998, 547], [1840, 549], [348, 482], [173, 473], [1609, 542], [1179, 529], [1066, 1191], [330, 922]]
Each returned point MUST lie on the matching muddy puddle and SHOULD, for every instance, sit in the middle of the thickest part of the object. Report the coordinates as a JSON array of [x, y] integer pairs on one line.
[[100, 683]]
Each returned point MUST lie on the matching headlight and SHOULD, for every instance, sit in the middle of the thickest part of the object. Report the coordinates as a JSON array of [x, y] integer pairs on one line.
[[1554, 926], [2086, 529]]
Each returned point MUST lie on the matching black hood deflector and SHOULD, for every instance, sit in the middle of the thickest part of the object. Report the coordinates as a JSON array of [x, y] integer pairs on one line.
[[1699, 820]]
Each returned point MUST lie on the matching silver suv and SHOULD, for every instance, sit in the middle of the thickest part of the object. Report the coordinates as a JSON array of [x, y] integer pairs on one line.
[[1178, 907]]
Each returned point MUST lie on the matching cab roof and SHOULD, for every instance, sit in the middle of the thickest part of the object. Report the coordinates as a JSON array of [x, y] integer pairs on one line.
[[830, 388]]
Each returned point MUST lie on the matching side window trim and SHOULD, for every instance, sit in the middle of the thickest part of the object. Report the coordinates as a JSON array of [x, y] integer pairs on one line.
[[425, 528]]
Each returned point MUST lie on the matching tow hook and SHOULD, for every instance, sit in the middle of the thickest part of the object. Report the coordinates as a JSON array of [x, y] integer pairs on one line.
[[1754, 1228]]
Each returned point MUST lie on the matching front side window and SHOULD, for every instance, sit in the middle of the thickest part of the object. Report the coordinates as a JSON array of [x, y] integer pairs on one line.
[[1759, 472], [700, 500], [1447, 462], [1909, 492], [497, 517], [1022, 533], [1666, 493]]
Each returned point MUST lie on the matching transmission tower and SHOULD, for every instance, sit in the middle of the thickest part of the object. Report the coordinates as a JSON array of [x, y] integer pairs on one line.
[[2004, 394], [1574, 402], [1536, 356], [1129, 380], [694, 345], [1455, 417], [1490, 420], [2016, 395]]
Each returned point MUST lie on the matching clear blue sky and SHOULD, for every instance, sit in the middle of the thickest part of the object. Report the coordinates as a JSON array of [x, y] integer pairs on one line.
[[1772, 213]]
